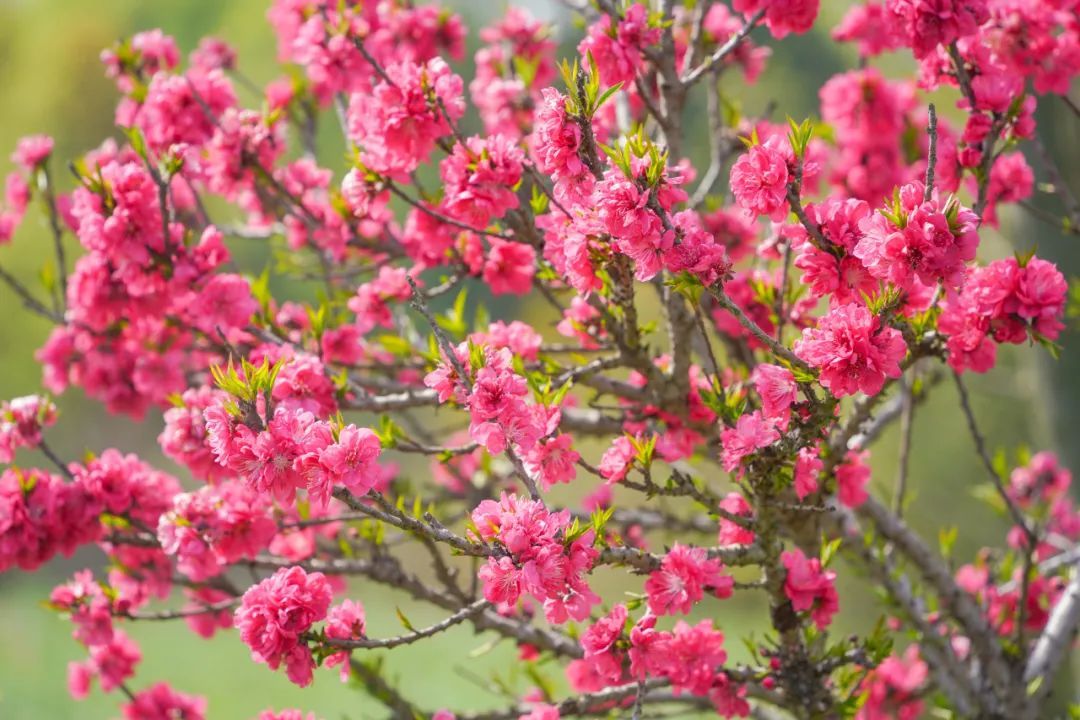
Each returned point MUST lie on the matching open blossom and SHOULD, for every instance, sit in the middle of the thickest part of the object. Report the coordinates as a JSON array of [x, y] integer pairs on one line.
[[84, 599], [839, 276], [509, 267], [759, 180], [751, 433], [553, 461], [893, 688], [373, 301], [1042, 479], [602, 656], [852, 476], [719, 25], [269, 460], [287, 714], [112, 662], [617, 459], [684, 575], [809, 587], [274, 614], [854, 352], [777, 389], [731, 532], [557, 141], [348, 461], [624, 210], [807, 467], [32, 151], [870, 26], [344, 622]]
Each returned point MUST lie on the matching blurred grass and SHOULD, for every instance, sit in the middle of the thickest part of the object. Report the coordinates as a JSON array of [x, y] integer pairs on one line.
[[51, 81]]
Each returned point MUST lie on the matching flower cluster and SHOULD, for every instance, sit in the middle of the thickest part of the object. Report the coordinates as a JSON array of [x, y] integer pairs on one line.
[[1004, 302], [809, 587], [21, 422], [537, 557], [294, 450], [274, 615], [213, 527]]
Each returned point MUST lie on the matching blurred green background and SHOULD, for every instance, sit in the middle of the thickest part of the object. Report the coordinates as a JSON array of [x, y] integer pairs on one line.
[[51, 82]]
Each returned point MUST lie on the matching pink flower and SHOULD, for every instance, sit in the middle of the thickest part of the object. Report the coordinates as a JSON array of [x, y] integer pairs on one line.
[[373, 300], [350, 460], [205, 624], [926, 24], [215, 526], [41, 515], [807, 467], [751, 433], [1006, 302], [852, 476], [690, 656], [893, 688], [759, 180], [539, 563], [557, 139], [398, 123], [344, 622], [618, 51], [1041, 480], [509, 267], [21, 422], [32, 151], [782, 16], [553, 461], [623, 209], [115, 661], [809, 587], [274, 614], [541, 711], [777, 389], [501, 580], [852, 350], [684, 574], [90, 609], [731, 533], [287, 714], [478, 179], [161, 702], [933, 241], [603, 663], [617, 459], [79, 677], [870, 26]]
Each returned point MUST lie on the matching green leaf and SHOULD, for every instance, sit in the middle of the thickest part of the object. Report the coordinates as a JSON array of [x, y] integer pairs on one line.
[[828, 550], [404, 620], [947, 540]]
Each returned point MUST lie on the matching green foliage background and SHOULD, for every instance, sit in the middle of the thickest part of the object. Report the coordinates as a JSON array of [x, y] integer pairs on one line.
[[51, 81]]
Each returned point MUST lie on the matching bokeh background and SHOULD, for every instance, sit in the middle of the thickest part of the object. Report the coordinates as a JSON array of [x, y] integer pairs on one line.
[[51, 81]]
